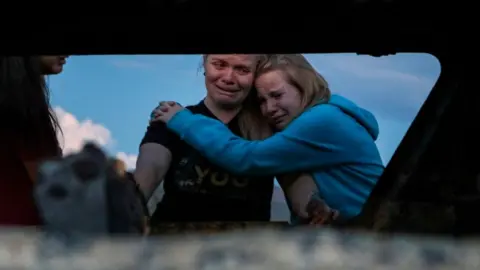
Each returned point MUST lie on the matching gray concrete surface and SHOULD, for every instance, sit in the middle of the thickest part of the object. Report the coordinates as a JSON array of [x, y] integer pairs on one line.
[[280, 250]]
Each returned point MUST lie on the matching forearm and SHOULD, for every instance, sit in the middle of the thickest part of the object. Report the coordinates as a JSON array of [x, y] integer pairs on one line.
[[295, 149], [152, 164], [306, 203], [148, 177], [300, 191]]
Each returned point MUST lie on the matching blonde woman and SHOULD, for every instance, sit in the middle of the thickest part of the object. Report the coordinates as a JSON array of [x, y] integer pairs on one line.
[[323, 134]]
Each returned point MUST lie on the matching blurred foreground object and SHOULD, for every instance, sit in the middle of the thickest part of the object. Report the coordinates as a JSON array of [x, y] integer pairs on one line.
[[297, 249], [181, 228], [87, 193]]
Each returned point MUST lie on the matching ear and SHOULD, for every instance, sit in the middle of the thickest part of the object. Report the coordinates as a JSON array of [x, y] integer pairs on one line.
[[119, 166], [95, 151]]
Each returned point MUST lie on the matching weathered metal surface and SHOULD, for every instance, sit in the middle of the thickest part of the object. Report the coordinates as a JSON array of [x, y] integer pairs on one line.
[[299, 249], [173, 228]]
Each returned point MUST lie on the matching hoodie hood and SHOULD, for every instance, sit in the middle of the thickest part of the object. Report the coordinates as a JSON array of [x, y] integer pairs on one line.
[[364, 117]]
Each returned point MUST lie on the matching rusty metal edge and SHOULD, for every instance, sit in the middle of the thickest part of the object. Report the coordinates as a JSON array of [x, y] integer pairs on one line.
[[258, 249]]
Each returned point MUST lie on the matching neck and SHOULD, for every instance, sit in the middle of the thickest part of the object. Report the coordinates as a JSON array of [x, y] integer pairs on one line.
[[223, 113]]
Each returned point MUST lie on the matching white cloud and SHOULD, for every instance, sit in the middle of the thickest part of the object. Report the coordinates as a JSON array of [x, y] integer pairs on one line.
[[75, 133], [129, 159]]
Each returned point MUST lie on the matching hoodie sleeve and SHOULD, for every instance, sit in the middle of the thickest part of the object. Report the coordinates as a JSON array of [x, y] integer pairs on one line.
[[305, 145]]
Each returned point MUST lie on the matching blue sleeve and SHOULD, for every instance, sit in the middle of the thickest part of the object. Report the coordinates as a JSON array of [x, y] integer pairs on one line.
[[305, 145]]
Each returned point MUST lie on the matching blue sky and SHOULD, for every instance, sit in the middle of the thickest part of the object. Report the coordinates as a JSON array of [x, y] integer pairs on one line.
[[108, 99]]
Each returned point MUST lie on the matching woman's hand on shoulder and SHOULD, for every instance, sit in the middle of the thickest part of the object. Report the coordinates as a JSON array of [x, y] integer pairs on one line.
[[165, 111]]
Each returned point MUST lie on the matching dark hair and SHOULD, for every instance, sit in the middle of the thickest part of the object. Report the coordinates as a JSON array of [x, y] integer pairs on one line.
[[25, 110]]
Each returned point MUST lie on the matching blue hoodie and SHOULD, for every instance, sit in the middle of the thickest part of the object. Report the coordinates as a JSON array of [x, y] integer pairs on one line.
[[335, 142]]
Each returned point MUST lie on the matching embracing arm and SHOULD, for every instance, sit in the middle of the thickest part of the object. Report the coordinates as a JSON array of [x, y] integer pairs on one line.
[[304, 146]]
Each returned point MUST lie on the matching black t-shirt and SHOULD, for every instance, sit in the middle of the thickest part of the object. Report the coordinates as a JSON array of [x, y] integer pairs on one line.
[[197, 190]]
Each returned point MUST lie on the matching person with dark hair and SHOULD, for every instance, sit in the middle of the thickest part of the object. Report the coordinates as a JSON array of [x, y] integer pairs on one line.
[[28, 135], [52, 64]]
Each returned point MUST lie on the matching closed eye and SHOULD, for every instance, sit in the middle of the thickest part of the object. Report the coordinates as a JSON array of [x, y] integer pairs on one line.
[[276, 95], [243, 70]]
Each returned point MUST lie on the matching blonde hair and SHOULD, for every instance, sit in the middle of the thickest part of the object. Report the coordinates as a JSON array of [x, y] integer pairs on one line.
[[298, 72], [253, 125]]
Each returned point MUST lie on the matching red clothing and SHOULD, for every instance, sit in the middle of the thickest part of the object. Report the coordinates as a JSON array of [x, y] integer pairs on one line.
[[17, 206]]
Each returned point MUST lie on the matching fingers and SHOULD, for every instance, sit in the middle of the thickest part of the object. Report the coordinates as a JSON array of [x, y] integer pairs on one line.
[[317, 206], [167, 103], [165, 111], [320, 213], [156, 119], [162, 107], [321, 218], [157, 116], [318, 221]]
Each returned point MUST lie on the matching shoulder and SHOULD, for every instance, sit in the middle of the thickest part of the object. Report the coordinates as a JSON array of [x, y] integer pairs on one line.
[[322, 123], [322, 115], [195, 108], [326, 110], [159, 133]]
